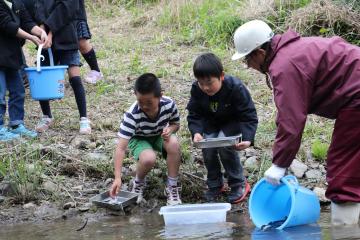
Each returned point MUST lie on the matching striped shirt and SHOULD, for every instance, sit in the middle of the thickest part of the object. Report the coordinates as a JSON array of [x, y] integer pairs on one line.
[[136, 123]]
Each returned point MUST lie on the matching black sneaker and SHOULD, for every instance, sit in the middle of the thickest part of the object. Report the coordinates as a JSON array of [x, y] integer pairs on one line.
[[238, 194], [213, 193]]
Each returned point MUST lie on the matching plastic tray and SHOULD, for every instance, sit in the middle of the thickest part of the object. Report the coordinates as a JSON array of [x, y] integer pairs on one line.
[[218, 142], [195, 213], [122, 200]]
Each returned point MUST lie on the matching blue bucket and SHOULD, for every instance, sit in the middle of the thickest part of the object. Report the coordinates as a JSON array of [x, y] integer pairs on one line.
[[46, 83], [286, 205]]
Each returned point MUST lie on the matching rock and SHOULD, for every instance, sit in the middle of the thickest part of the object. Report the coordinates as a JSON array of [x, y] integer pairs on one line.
[[313, 164], [108, 182], [313, 174], [48, 162], [78, 188], [96, 157], [91, 191], [298, 168], [251, 163], [70, 213], [132, 167], [157, 172], [250, 152], [47, 211], [82, 142], [320, 192], [2, 199], [50, 186], [69, 205], [29, 205], [6, 189], [322, 169], [85, 208]]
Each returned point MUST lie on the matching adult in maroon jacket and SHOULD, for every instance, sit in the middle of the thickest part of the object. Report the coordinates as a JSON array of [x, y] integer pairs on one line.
[[311, 75]]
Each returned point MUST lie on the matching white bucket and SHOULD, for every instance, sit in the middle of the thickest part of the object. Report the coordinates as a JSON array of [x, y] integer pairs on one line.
[[195, 213]]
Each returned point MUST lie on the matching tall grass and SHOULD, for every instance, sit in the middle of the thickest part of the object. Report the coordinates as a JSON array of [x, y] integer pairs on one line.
[[21, 166], [208, 22]]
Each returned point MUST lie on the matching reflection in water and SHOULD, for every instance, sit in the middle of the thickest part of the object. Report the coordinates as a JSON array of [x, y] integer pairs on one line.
[[308, 232], [151, 226], [213, 230]]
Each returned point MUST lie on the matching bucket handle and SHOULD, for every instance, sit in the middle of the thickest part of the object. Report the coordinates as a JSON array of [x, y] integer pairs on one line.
[[40, 58], [291, 180]]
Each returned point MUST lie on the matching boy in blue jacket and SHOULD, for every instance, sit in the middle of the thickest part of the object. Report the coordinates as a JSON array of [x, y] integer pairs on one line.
[[220, 105]]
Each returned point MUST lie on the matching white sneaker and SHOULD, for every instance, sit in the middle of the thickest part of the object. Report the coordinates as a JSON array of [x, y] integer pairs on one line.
[[173, 195], [138, 188], [85, 127], [44, 124], [93, 77]]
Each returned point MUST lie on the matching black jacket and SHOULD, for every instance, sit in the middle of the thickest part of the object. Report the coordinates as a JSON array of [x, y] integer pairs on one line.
[[10, 22], [30, 7], [59, 17], [81, 14], [235, 112]]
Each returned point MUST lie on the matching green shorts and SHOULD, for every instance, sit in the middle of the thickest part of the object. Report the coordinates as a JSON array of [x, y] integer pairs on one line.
[[138, 144]]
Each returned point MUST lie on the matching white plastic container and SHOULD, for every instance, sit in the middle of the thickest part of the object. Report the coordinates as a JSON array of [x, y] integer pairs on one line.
[[195, 213]]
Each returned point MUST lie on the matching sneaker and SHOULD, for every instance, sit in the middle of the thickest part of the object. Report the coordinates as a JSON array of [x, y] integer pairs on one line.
[[5, 135], [23, 131], [238, 194], [213, 193], [93, 77], [173, 195], [85, 127], [44, 124], [138, 188]]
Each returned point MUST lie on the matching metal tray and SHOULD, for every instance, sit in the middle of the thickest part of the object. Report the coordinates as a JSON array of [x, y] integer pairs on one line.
[[122, 200], [218, 142]]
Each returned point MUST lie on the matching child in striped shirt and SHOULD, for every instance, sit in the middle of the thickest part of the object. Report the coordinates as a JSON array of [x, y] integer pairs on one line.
[[148, 126]]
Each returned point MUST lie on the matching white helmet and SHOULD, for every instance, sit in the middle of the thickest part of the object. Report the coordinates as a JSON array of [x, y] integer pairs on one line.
[[250, 36]]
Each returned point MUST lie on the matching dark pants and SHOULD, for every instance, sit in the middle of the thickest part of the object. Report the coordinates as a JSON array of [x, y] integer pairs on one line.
[[343, 160], [230, 160], [10, 80]]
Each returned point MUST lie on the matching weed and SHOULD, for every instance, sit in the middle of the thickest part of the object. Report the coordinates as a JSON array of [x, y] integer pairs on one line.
[[319, 150], [21, 168]]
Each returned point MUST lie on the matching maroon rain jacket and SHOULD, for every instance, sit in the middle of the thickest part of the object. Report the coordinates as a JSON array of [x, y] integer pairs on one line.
[[310, 75]]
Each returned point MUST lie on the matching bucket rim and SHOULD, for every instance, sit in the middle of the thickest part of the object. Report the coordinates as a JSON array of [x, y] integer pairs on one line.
[[292, 193], [47, 67]]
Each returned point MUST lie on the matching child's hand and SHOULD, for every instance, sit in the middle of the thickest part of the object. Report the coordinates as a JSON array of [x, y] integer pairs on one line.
[[115, 187], [242, 145], [198, 137], [43, 37], [166, 133], [35, 40], [48, 42]]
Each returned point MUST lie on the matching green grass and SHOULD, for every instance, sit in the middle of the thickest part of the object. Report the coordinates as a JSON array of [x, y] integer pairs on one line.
[[210, 22], [319, 150], [22, 167]]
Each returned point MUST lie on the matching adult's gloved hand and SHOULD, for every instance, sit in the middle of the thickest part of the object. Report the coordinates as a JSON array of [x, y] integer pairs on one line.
[[274, 174]]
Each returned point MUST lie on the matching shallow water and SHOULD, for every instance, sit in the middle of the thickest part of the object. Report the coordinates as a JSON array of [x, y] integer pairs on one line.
[[151, 226]]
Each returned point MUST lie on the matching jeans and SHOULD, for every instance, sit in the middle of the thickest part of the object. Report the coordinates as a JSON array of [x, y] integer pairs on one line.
[[10, 80], [230, 161]]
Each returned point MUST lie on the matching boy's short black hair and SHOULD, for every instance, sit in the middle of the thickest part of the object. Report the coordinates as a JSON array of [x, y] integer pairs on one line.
[[148, 83], [207, 65]]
